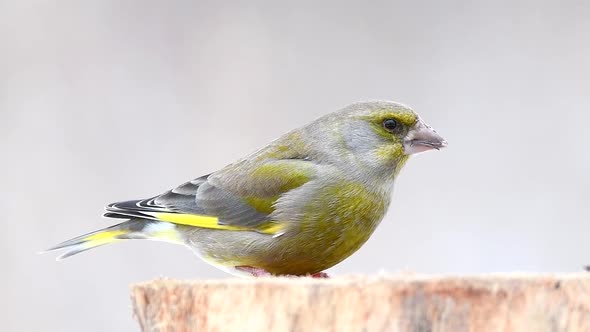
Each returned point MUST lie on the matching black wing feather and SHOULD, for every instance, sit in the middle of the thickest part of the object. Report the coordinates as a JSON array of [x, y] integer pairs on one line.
[[195, 197]]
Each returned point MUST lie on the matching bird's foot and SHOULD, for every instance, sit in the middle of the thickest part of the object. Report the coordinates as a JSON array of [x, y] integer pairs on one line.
[[322, 275], [258, 272], [254, 271]]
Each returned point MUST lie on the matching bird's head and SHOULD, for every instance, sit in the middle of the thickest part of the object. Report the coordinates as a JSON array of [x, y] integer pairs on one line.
[[382, 135]]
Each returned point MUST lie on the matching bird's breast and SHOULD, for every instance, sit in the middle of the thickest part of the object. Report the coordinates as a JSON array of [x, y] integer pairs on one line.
[[335, 222]]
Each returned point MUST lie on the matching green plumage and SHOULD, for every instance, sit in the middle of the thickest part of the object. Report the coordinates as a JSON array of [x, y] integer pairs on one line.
[[298, 206]]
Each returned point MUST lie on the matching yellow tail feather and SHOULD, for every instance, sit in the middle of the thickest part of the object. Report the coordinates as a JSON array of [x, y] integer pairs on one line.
[[90, 240]]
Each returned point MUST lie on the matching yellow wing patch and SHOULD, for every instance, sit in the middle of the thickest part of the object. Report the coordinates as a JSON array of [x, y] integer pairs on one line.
[[196, 220]]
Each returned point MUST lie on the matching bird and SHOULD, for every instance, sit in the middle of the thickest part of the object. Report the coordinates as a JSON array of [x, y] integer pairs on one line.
[[296, 207]]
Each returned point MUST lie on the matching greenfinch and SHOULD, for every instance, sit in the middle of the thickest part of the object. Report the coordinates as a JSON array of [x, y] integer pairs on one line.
[[298, 206]]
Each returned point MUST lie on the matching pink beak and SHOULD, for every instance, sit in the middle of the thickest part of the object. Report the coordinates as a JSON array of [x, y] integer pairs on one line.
[[423, 138]]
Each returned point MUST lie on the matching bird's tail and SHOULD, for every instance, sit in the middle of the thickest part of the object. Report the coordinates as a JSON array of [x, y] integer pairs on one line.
[[131, 229]]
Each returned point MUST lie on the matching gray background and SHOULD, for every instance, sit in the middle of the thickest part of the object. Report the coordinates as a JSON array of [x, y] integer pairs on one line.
[[111, 100]]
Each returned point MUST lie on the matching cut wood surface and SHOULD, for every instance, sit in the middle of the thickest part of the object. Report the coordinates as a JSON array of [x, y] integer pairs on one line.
[[384, 303]]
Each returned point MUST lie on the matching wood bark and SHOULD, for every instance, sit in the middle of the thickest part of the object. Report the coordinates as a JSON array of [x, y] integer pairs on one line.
[[386, 303]]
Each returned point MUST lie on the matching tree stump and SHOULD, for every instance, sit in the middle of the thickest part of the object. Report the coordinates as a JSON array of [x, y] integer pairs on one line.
[[385, 303]]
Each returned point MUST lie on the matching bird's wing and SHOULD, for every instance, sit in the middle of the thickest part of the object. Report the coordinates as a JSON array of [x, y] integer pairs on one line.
[[239, 197]]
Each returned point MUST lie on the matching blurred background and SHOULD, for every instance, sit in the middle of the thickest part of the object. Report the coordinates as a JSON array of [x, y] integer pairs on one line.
[[111, 100]]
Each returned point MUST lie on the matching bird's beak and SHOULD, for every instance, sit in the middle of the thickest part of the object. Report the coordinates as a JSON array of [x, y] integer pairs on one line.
[[422, 138]]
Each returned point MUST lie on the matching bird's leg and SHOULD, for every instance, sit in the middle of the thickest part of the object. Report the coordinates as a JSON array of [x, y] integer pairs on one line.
[[322, 275], [254, 271], [258, 272]]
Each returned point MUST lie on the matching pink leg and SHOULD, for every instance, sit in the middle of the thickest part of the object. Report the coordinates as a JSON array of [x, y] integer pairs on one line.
[[322, 275], [254, 271], [258, 272]]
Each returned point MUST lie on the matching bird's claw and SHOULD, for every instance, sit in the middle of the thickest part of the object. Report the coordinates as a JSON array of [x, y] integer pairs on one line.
[[258, 272]]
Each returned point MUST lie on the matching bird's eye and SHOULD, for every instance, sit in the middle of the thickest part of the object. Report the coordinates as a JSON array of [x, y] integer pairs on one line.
[[390, 124]]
